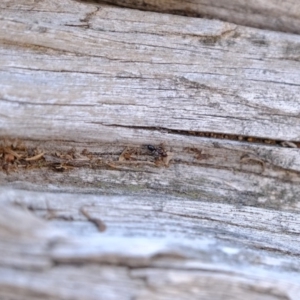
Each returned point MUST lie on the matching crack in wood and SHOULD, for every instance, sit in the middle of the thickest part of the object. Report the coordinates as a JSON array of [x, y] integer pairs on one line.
[[214, 135]]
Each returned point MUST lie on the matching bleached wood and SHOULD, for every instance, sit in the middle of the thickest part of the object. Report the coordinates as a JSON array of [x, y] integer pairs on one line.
[[177, 255], [87, 72], [269, 14], [211, 225]]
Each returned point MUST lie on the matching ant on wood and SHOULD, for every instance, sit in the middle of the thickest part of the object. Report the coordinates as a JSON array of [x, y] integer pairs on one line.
[[157, 152]]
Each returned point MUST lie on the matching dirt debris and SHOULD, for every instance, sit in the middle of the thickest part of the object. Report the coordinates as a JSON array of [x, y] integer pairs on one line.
[[15, 155]]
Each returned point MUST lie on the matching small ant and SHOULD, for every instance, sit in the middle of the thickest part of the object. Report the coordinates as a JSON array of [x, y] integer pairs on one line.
[[157, 152]]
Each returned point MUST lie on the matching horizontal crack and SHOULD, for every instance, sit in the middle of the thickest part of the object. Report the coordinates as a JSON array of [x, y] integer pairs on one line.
[[213, 135]]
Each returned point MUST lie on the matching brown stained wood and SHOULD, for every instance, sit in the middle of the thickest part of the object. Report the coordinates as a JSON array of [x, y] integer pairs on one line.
[[269, 179], [269, 14]]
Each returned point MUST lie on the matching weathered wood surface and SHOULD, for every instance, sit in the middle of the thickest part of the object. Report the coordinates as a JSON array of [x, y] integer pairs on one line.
[[268, 14], [153, 248], [223, 213], [214, 173], [84, 71]]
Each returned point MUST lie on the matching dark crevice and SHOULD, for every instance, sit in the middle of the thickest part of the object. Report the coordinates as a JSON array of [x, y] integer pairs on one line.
[[213, 135]]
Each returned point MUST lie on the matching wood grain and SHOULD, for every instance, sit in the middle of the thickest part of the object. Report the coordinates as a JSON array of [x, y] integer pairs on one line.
[[80, 84], [152, 248], [85, 76], [269, 14]]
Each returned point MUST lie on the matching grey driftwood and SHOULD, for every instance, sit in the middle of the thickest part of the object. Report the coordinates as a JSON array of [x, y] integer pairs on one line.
[[94, 213], [266, 14]]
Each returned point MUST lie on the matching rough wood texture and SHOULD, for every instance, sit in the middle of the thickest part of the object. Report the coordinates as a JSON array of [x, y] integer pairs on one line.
[[95, 76], [266, 14], [153, 248], [87, 72], [223, 212]]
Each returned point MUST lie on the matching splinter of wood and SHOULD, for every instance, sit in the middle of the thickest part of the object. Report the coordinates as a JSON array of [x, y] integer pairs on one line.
[[36, 157], [97, 222], [248, 158]]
